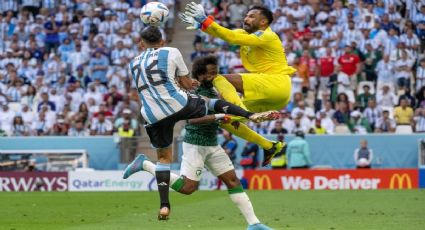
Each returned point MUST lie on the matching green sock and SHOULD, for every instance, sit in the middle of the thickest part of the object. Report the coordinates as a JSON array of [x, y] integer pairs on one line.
[[178, 184], [234, 190]]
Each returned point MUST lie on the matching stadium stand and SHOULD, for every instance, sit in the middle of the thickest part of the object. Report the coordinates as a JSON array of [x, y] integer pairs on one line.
[[64, 63], [338, 47]]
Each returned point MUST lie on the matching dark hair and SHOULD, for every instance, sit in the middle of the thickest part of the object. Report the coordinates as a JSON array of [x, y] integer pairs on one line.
[[265, 12], [299, 133], [199, 66], [151, 35]]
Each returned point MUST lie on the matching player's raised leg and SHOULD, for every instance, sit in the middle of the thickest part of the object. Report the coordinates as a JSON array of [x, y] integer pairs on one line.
[[228, 87], [205, 70]]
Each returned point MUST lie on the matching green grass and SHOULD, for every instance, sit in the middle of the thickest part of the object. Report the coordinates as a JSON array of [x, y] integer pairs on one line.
[[384, 209]]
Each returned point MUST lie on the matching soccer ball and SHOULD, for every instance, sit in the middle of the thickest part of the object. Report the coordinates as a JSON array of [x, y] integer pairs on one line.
[[363, 162], [154, 14]]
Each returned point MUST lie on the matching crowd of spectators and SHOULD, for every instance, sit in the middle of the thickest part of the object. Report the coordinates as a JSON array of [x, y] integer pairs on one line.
[[361, 63], [63, 66]]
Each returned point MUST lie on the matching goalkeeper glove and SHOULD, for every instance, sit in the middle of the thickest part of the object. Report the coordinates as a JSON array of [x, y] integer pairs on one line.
[[193, 25], [196, 11]]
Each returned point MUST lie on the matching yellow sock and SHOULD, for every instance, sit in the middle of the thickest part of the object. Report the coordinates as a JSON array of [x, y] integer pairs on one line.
[[227, 91], [244, 132]]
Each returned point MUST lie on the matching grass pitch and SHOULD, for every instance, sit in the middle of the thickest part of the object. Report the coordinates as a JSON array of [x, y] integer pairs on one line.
[[331, 210]]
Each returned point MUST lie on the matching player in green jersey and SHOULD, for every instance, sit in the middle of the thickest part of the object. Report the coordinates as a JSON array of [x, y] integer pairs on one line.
[[201, 149]]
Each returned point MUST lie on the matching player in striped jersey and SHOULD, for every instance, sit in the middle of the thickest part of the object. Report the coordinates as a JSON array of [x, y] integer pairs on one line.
[[159, 72], [201, 149]]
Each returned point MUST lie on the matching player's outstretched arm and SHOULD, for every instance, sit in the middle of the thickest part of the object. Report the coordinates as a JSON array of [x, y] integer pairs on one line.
[[237, 37]]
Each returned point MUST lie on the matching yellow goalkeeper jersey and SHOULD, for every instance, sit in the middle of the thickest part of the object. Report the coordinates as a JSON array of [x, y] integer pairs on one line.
[[261, 52]]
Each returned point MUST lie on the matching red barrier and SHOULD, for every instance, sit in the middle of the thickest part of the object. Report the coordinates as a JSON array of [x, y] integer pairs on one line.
[[332, 179], [33, 181]]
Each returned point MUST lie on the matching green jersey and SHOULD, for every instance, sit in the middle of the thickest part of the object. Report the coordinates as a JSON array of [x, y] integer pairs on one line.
[[202, 134]]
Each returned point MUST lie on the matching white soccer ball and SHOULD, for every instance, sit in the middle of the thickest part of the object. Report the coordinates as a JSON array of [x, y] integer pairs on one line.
[[362, 162], [154, 14]]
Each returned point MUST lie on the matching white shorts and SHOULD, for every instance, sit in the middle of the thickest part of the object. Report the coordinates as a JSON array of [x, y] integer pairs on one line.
[[195, 157]]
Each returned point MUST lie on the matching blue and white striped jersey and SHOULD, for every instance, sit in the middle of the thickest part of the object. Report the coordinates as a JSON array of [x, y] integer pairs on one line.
[[155, 72]]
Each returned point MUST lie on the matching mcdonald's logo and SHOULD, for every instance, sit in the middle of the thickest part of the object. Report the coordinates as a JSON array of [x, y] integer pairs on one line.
[[398, 180], [263, 182]]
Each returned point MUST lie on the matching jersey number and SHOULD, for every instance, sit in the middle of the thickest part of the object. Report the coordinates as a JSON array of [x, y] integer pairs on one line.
[[155, 76]]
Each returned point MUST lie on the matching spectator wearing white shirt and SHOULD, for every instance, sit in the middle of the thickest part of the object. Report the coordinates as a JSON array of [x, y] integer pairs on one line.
[[385, 124], [109, 26], [94, 94], [41, 126], [372, 113], [367, 23], [118, 74], [299, 125], [403, 70], [11, 5], [394, 16], [26, 71], [119, 51], [420, 16], [385, 69], [78, 57], [280, 23], [419, 120], [301, 109], [385, 97], [299, 14], [392, 41], [57, 99], [78, 130], [411, 41], [15, 91], [6, 118], [101, 126], [237, 11], [317, 41], [351, 34], [420, 75], [28, 116]]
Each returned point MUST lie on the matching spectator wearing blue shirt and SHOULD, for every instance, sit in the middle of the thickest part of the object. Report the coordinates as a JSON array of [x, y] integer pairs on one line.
[[51, 29], [249, 156], [342, 114], [99, 66], [298, 152], [229, 145], [45, 102], [65, 49], [80, 76]]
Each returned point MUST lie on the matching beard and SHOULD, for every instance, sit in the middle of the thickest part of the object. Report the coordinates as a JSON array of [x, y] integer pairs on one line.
[[250, 28]]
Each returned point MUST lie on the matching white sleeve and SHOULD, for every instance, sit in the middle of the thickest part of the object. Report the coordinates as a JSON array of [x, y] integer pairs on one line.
[[177, 58]]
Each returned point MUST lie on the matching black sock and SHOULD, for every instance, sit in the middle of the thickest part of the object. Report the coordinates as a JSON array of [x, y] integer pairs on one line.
[[163, 181], [229, 108]]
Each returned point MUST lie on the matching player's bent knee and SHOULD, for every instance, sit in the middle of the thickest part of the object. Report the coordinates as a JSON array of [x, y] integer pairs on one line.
[[230, 179], [189, 187]]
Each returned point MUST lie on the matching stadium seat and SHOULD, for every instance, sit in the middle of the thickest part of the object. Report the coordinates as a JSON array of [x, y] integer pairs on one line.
[[403, 129], [368, 83], [342, 129]]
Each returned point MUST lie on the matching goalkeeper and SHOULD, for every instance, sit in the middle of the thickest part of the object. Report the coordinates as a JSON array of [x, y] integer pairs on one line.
[[267, 86], [200, 148]]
